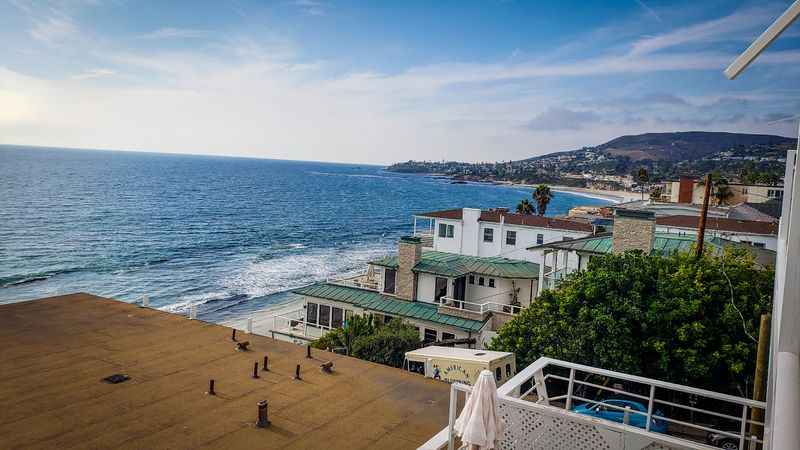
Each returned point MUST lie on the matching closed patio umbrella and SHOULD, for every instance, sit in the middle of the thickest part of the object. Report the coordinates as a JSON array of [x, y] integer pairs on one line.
[[478, 425]]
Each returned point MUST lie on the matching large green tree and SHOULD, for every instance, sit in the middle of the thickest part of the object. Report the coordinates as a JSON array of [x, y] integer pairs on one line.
[[525, 207], [674, 318], [367, 339]]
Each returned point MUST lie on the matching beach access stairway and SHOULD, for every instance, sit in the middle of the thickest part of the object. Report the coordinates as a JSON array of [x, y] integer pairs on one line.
[[537, 410]]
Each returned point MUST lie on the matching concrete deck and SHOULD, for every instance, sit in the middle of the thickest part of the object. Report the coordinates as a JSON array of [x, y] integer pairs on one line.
[[55, 351]]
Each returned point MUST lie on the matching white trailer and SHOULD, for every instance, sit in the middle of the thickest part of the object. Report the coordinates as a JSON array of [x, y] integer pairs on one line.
[[460, 364]]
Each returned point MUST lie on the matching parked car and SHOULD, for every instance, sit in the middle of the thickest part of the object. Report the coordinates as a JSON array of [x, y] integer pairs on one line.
[[723, 441], [614, 409]]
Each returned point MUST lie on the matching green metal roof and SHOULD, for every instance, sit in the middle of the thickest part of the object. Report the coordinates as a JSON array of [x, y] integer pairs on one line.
[[455, 265], [375, 301], [663, 244]]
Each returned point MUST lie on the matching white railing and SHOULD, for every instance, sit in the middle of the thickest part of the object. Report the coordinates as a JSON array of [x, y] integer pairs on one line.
[[359, 279], [558, 423], [294, 324], [482, 308]]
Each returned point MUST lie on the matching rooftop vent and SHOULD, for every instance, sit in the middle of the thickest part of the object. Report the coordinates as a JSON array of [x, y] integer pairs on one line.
[[116, 378]]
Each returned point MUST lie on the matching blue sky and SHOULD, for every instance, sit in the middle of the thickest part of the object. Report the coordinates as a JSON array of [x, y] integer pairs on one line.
[[385, 81]]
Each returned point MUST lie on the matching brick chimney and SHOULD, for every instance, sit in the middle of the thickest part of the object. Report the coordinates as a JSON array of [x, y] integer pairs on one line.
[[409, 253], [633, 230]]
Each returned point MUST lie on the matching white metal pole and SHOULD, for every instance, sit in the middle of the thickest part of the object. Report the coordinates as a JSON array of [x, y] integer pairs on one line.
[[193, 311], [650, 406], [145, 301], [249, 325], [569, 388], [451, 417]]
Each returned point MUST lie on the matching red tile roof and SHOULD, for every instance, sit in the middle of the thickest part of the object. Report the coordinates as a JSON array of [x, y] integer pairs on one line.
[[720, 224], [529, 220]]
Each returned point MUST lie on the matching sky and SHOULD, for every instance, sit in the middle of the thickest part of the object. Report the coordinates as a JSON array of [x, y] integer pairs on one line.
[[380, 82]]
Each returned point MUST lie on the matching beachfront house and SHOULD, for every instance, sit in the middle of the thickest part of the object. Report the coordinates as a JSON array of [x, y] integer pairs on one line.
[[641, 230], [447, 296], [494, 232]]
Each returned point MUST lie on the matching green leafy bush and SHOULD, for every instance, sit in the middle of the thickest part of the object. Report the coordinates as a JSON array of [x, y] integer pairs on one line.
[[670, 318], [363, 338]]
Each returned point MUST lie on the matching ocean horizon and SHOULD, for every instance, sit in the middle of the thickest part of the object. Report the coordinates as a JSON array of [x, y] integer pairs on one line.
[[229, 234]]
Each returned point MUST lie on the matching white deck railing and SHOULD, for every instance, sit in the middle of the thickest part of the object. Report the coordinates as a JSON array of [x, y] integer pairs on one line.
[[358, 279], [536, 418], [485, 307], [294, 324]]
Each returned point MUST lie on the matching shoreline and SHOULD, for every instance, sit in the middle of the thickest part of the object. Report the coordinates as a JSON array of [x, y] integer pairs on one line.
[[615, 197]]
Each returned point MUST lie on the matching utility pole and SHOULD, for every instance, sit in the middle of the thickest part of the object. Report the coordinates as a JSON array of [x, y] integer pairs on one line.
[[757, 415], [701, 227]]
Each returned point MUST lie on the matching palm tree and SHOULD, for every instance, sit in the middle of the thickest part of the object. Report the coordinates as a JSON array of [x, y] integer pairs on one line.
[[719, 188], [643, 178], [542, 196], [525, 207], [722, 193]]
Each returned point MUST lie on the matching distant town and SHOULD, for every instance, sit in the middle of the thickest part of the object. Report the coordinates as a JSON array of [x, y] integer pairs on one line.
[[618, 164]]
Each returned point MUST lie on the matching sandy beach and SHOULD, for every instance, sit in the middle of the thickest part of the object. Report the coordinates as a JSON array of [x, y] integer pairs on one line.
[[612, 196]]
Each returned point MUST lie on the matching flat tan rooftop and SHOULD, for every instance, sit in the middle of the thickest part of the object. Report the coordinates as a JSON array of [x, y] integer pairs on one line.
[[54, 352]]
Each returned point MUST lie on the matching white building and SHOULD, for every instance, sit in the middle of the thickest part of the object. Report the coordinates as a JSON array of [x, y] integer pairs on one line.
[[446, 296], [494, 232]]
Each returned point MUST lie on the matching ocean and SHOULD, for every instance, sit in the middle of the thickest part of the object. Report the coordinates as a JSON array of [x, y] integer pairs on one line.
[[232, 235]]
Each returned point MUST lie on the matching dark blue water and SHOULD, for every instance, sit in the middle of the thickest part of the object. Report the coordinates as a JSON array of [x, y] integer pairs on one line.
[[233, 234]]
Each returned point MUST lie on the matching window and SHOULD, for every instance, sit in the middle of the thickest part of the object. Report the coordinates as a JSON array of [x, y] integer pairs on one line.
[[488, 234], [440, 289], [448, 336], [472, 279], [311, 313], [387, 318], [446, 231], [337, 317], [511, 238], [759, 245], [324, 315], [430, 336], [539, 239], [388, 280], [480, 281], [508, 370], [498, 374], [491, 282]]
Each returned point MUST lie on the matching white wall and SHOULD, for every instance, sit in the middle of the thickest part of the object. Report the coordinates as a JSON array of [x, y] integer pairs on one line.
[[446, 244], [469, 243]]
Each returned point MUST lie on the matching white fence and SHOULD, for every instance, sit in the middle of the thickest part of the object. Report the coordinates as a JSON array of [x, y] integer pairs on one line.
[[485, 307], [535, 418]]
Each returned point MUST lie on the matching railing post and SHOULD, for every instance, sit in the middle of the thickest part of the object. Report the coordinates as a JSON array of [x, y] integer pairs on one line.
[[193, 312], [626, 416], [744, 427], [451, 416], [145, 301], [753, 442], [541, 387], [650, 406], [569, 388], [249, 325]]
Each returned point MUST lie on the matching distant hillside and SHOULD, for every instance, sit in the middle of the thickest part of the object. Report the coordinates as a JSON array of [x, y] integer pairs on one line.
[[664, 155], [689, 144]]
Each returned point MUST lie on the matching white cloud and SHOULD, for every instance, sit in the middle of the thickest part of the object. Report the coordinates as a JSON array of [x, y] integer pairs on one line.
[[93, 73], [312, 7], [54, 30], [174, 33], [734, 26]]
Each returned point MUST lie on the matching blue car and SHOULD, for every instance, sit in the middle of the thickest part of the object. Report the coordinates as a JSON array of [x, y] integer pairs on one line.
[[603, 411]]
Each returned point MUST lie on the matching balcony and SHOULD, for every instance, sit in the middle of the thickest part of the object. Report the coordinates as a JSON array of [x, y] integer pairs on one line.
[[537, 407], [362, 280], [292, 327], [476, 311]]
